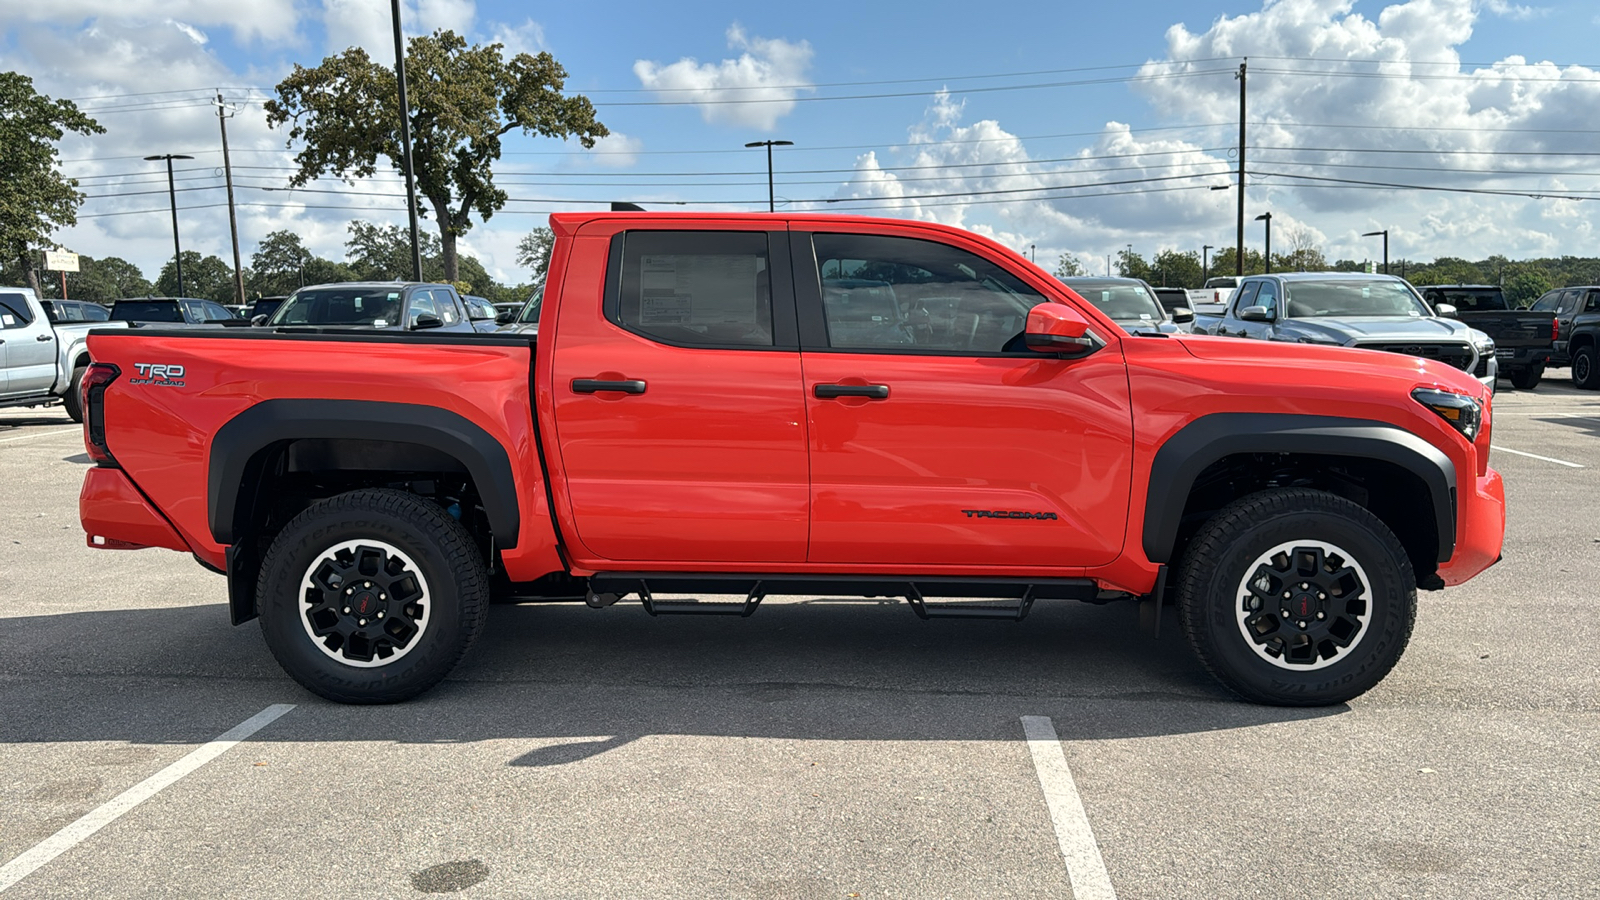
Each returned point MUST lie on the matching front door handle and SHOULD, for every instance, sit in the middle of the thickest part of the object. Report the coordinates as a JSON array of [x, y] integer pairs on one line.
[[43, 337], [869, 391], [595, 385]]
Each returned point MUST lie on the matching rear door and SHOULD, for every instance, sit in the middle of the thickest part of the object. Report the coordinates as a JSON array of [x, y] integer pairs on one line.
[[30, 346], [676, 389], [936, 439]]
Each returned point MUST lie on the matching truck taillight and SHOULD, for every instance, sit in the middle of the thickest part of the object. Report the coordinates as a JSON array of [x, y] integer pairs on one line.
[[92, 401], [1555, 329]]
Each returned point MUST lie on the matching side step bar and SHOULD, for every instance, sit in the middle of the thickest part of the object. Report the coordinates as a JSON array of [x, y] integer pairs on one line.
[[1008, 598]]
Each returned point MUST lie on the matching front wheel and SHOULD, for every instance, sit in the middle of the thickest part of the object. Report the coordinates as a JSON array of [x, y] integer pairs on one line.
[[1584, 372], [372, 596], [1297, 597]]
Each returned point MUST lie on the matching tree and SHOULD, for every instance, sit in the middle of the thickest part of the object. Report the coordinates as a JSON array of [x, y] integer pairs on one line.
[[1177, 269], [279, 263], [1524, 285], [1132, 265], [464, 99], [1304, 255], [1223, 263], [206, 278], [1068, 266], [35, 199], [533, 251], [383, 253], [100, 280]]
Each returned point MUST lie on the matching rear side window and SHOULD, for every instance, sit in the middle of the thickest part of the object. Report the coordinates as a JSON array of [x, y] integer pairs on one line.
[[147, 311], [1547, 303], [94, 312], [706, 288], [14, 311]]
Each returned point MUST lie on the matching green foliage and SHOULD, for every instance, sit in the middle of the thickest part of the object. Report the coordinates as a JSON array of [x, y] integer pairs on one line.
[[206, 278], [1132, 265], [277, 264], [533, 251], [383, 253], [1523, 286], [1173, 268], [1068, 266], [464, 99], [1223, 262], [35, 199], [101, 280]]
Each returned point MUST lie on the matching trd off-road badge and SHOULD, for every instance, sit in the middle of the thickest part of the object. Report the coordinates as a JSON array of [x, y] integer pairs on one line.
[[1007, 514], [159, 374]]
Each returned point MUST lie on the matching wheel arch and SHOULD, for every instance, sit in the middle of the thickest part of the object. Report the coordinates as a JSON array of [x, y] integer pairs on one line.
[[1383, 450]]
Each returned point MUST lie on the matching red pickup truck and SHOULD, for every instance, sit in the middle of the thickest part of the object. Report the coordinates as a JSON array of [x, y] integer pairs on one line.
[[742, 405]]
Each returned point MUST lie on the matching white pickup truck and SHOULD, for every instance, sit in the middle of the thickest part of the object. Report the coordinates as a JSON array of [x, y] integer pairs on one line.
[[41, 363]]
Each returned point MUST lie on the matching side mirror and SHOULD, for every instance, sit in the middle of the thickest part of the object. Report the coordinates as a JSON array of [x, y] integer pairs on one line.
[[504, 318], [1446, 310], [258, 321], [424, 320], [1256, 314], [1182, 315], [1058, 328]]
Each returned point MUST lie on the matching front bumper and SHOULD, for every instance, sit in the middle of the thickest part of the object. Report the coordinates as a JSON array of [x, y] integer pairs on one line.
[[1487, 370], [1480, 529]]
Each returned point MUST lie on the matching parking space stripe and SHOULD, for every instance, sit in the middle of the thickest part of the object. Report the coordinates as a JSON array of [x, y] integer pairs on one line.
[[74, 834], [1085, 869], [39, 434], [1559, 462]]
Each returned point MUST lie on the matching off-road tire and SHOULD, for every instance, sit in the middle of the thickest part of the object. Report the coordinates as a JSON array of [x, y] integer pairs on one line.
[[70, 401], [1586, 368], [454, 584], [1216, 587], [1527, 379]]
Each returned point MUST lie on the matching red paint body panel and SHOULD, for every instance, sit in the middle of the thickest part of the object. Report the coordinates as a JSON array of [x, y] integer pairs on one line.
[[112, 509], [728, 462]]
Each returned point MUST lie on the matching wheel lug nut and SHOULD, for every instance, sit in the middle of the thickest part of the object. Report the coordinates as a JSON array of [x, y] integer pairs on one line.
[[349, 590], [382, 596], [1322, 615], [1322, 596], [1302, 625], [1285, 612], [366, 584], [364, 621], [380, 613], [347, 610], [1285, 595], [1303, 585]]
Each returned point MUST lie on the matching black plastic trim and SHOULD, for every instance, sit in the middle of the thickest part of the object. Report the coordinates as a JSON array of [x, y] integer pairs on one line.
[[844, 585], [595, 385], [869, 391], [334, 335], [1210, 438], [236, 456]]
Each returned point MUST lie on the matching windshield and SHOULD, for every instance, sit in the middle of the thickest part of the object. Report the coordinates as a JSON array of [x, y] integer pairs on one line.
[[147, 311], [378, 307], [1122, 302], [1311, 299]]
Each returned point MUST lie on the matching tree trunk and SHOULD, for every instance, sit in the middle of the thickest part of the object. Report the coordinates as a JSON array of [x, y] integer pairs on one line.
[[31, 273], [452, 263]]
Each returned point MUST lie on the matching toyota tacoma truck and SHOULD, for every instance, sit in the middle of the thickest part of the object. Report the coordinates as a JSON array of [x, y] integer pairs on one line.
[[42, 361], [734, 406], [1524, 340]]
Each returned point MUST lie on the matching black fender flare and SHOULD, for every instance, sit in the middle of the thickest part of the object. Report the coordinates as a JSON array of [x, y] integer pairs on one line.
[[236, 453], [1209, 438]]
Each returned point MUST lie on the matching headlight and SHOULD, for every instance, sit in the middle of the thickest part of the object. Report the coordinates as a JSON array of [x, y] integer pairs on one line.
[[1485, 346], [1461, 412]]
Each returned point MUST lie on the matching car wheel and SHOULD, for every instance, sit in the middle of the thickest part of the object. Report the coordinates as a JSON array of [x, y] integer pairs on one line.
[[70, 402], [372, 596], [1297, 597], [1527, 379], [1584, 372]]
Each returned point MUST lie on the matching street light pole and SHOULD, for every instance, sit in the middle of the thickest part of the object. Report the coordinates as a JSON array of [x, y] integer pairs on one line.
[[772, 205], [172, 195], [1205, 268], [1267, 217], [1385, 234], [405, 142]]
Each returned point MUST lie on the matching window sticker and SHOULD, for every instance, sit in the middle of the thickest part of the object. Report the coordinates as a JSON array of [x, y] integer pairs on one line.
[[8, 321], [697, 290]]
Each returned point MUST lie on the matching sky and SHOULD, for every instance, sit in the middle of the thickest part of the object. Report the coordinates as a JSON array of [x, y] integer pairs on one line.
[[1462, 127]]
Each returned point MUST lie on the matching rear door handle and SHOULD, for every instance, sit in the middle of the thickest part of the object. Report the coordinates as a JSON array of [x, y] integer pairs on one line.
[[595, 385], [869, 391]]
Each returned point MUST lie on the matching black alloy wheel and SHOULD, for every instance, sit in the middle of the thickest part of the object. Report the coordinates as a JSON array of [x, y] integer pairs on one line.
[[372, 596], [1297, 597], [1585, 374]]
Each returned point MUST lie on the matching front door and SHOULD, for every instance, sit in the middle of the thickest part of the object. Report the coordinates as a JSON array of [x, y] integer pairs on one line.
[[676, 379], [30, 347], [936, 437]]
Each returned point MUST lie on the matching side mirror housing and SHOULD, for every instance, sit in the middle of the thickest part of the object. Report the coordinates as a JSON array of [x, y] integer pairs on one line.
[[1447, 310], [1059, 329], [504, 318], [424, 320], [258, 321], [1182, 315], [1256, 314]]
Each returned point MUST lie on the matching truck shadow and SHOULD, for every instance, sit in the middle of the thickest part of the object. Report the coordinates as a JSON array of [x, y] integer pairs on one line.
[[580, 682]]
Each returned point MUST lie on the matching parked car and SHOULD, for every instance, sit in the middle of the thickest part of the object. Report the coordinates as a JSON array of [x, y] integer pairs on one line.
[[526, 320], [172, 311], [1216, 290], [1171, 298], [42, 361], [1523, 339], [262, 308], [1351, 309], [704, 422], [1131, 303], [392, 305], [481, 313], [1577, 311], [61, 311], [506, 313]]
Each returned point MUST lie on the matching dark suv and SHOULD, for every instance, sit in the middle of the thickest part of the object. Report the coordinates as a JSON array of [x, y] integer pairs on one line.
[[172, 311]]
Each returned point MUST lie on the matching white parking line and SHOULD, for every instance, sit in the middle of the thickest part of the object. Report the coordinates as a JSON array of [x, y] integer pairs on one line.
[[37, 434], [1559, 462], [1085, 869], [74, 834]]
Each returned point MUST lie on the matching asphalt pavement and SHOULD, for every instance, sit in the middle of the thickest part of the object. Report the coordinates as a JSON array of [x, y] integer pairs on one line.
[[825, 747]]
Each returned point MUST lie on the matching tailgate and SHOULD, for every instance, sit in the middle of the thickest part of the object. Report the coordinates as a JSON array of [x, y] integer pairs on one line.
[[1513, 329]]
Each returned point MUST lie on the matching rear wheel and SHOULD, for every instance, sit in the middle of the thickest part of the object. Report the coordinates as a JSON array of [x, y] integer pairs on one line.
[[372, 596], [70, 401], [1297, 597], [1584, 372], [1527, 379]]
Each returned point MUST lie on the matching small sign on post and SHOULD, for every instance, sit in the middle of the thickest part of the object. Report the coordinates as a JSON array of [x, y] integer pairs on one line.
[[63, 262]]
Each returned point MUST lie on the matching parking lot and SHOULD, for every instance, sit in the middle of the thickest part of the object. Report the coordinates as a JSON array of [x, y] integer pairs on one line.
[[822, 748]]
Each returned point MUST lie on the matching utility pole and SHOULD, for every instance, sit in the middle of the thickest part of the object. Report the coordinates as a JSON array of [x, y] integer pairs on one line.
[[1238, 259], [172, 194], [1385, 234], [405, 142], [233, 217], [1267, 218], [771, 199], [1205, 269]]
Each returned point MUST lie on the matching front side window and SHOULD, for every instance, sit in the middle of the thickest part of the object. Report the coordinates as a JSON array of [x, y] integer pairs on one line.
[[1267, 296], [1247, 296], [705, 288], [898, 294]]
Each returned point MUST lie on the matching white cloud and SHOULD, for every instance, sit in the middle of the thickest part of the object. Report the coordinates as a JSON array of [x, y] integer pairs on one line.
[[194, 34], [525, 38], [616, 150], [764, 80], [266, 20], [370, 23]]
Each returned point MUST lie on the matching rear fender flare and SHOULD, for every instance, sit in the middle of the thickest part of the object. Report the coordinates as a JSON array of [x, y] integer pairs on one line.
[[1210, 438]]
